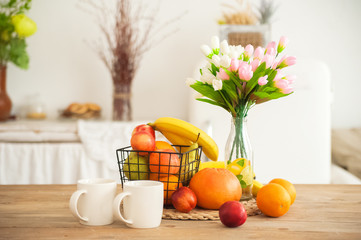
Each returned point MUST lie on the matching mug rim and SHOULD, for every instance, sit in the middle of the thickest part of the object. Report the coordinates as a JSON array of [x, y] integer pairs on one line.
[[96, 181], [143, 183]]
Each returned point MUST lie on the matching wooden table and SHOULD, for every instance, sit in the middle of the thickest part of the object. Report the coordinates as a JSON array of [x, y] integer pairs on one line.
[[320, 212]]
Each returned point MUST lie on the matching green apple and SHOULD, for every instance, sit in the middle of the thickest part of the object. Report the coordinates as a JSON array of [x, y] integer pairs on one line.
[[136, 167]]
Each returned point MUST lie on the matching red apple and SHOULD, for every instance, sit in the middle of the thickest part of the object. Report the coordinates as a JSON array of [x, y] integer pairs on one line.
[[144, 128], [184, 199], [232, 214], [143, 141]]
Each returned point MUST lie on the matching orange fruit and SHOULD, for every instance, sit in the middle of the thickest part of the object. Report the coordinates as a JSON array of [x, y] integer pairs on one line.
[[288, 186], [171, 184], [163, 145], [215, 186], [156, 176], [164, 161], [273, 200]]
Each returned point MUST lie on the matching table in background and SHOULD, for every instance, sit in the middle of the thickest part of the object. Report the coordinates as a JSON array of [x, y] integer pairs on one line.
[[319, 212]]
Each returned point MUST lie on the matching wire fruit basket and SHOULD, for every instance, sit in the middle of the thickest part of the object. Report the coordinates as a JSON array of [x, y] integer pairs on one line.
[[173, 169]]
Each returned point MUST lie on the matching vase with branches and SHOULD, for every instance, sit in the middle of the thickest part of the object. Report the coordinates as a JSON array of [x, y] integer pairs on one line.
[[128, 32]]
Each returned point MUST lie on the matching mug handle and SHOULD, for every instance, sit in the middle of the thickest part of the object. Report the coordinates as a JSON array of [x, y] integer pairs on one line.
[[116, 206], [73, 204]]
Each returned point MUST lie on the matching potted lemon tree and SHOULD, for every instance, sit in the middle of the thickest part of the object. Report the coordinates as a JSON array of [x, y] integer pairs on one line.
[[15, 27]]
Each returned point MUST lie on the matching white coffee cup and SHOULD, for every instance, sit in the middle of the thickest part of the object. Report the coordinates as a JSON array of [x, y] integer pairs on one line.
[[92, 203], [142, 205]]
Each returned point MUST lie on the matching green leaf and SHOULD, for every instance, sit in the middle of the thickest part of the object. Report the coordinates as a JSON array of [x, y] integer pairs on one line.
[[260, 72], [271, 77], [261, 94], [212, 102], [233, 78], [230, 89], [207, 91], [11, 3], [241, 162], [232, 110], [18, 54], [269, 89], [214, 69], [243, 183]]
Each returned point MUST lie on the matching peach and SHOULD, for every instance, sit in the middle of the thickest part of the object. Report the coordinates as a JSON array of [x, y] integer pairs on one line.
[[144, 128], [232, 214], [184, 199], [142, 141]]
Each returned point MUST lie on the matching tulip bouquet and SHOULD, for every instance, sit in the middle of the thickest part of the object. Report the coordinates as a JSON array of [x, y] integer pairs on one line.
[[237, 78], [15, 26]]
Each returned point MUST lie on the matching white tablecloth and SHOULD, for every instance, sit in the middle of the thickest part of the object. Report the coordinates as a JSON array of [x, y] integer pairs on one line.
[[37, 160], [49, 163]]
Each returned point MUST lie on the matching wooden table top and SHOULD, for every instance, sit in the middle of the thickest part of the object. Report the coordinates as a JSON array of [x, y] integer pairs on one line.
[[319, 212]]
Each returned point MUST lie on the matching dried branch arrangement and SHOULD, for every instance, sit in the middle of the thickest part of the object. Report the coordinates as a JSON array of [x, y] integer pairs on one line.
[[129, 31], [242, 13]]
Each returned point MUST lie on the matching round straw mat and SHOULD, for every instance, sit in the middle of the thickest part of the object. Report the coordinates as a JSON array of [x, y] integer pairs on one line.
[[204, 214]]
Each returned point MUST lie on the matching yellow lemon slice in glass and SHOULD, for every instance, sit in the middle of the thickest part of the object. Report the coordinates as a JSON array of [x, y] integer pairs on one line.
[[247, 175]]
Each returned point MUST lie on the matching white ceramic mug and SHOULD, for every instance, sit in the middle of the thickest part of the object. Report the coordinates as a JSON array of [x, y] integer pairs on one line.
[[142, 204], [92, 203]]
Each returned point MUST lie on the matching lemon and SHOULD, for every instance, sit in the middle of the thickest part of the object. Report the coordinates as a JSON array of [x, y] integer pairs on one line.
[[247, 175], [24, 26], [237, 166], [217, 164], [256, 187]]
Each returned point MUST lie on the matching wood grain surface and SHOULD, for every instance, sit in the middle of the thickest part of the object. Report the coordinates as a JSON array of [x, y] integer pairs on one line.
[[319, 212]]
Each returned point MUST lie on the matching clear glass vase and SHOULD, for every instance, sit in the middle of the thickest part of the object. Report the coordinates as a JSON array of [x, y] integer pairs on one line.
[[239, 155]]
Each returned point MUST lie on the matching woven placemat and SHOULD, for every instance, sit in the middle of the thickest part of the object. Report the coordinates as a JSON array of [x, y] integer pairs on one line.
[[204, 214]]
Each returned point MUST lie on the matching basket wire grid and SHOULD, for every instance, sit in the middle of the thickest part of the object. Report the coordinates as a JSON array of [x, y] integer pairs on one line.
[[135, 165]]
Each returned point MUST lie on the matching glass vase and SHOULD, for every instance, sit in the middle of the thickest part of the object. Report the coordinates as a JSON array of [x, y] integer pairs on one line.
[[239, 155]]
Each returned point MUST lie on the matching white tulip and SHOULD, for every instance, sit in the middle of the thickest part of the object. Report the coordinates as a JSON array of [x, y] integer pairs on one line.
[[216, 60], [224, 47], [217, 84], [215, 42], [190, 81], [206, 50], [207, 76], [225, 61]]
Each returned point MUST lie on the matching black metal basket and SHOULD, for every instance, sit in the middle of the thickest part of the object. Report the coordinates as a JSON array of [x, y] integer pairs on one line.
[[159, 166]]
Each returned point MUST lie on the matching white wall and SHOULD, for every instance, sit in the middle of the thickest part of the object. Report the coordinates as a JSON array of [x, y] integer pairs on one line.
[[64, 69]]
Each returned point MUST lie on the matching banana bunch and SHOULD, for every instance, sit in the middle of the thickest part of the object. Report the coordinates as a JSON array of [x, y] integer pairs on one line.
[[180, 132]]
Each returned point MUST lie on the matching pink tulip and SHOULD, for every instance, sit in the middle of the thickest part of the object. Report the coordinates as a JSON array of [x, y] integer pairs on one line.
[[258, 53], [254, 64], [291, 78], [245, 71], [248, 51], [289, 61], [287, 90], [282, 44], [263, 80], [269, 59], [271, 47], [222, 74], [286, 61], [234, 65], [282, 84], [279, 75]]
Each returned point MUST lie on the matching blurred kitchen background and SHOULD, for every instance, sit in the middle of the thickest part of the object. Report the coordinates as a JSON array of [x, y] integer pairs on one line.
[[65, 69]]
